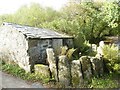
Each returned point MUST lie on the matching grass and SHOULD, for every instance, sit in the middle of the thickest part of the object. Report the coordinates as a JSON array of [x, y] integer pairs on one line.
[[107, 81]]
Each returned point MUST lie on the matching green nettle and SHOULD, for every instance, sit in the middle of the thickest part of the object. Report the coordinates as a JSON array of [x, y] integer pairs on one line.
[[111, 54]]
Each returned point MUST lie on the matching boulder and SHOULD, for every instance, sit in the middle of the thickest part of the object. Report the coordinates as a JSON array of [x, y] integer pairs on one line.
[[42, 70]]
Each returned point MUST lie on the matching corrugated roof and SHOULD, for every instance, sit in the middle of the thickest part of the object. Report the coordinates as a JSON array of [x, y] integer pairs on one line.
[[33, 32]]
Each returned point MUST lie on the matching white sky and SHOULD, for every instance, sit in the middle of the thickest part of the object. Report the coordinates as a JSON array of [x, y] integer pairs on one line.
[[10, 6]]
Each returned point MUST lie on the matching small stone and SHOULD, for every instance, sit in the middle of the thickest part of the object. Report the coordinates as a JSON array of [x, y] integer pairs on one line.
[[42, 70]]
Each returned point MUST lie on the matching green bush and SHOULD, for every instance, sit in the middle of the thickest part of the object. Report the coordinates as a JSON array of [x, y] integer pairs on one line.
[[111, 55]]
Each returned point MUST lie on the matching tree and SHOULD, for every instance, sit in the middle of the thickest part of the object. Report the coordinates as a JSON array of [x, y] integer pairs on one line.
[[95, 20], [32, 15]]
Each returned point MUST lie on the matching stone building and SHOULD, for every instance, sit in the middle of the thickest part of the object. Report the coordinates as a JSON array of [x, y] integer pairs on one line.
[[27, 46]]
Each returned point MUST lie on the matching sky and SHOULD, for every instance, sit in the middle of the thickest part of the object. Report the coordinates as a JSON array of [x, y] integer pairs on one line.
[[10, 6]]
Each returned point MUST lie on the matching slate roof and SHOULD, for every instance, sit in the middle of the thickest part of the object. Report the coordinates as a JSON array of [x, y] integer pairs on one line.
[[38, 33]]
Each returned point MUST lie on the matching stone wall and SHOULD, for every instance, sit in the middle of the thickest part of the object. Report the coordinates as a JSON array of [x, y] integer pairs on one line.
[[13, 47], [74, 72]]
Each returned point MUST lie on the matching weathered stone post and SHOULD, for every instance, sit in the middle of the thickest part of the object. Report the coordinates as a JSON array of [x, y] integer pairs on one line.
[[86, 67], [77, 77], [97, 66], [64, 70], [52, 62]]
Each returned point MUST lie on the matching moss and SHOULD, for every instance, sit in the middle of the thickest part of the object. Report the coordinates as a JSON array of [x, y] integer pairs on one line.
[[75, 81]]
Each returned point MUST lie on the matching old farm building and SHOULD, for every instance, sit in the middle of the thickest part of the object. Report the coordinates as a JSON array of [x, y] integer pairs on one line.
[[26, 45]]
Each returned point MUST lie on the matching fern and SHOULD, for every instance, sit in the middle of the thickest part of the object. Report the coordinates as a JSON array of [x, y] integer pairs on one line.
[[69, 53], [112, 55]]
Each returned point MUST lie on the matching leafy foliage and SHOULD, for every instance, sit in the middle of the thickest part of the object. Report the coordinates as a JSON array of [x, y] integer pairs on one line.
[[68, 52], [32, 15], [107, 81], [111, 13], [111, 53], [64, 50]]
